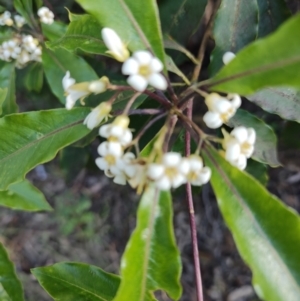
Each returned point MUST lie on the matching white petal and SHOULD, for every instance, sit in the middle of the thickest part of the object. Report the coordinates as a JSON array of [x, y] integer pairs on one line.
[[212, 120], [137, 82], [178, 180], [236, 100], [130, 67], [104, 130], [116, 131], [185, 166], [130, 170], [171, 159], [120, 179], [156, 65], [205, 175], [241, 163], [115, 149], [251, 136], [103, 149], [126, 138], [249, 151], [164, 183], [228, 57], [67, 81], [196, 162], [155, 171], [158, 81], [240, 133], [233, 151], [223, 106], [144, 57], [101, 163]]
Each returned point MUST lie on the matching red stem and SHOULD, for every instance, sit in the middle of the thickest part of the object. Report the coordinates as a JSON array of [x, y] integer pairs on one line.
[[190, 203]]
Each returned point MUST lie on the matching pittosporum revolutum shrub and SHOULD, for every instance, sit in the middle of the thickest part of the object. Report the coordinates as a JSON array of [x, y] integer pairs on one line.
[[256, 57]]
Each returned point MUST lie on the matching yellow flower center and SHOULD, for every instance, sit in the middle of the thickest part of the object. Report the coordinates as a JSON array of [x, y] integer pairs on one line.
[[171, 172], [144, 70], [110, 159]]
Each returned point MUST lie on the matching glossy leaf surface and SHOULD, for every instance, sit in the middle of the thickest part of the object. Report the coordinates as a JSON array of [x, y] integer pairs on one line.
[[71, 281], [151, 254], [34, 78], [36, 136], [271, 14], [3, 93], [24, 196], [284, 102], [254, 68], [136, 22], [235, 26], [56, 63], [84, 32], [267, 232], [266, 140], [7, 80], [8, 278], [180, 19]]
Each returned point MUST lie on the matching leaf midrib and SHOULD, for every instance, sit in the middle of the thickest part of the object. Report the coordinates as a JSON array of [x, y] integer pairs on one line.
[[257, 225], [25, 147], [71, 284], [251, 72]]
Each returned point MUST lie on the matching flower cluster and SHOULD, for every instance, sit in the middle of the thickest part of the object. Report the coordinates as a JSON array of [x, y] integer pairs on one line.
[[6, 19], [142, 68], [114, 162], [220, 109], [239, 145], [46, 15], [81, 90], [173, 171], [22, 48]]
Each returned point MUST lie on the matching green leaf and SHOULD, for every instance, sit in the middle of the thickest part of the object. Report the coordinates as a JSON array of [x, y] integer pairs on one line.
[[71, 281], [34, 78], [7, 80], [83, 33], [54, 31], [32, 138], [144, 268], [3, 93], [180, 19], [56, 63], [169, 43], [284, 102], [235, 26], [258, 171], [266, 140], [24, 196], [171, 66], [271, 15], [136, 22], [267, 232], [8, 278], [272, 61]]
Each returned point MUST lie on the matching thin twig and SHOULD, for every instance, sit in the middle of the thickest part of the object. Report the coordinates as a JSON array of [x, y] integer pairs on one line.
[[205, 38], [130, 103], [139, 112], [189, 198], [171, 125]]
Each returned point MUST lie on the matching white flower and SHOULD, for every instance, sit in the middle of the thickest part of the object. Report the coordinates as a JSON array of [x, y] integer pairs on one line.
[[197, 174], [220, 109], [98, 114], [144, 69], [20, 21], [75, 91], [29, 43], [11, 49], [5, 19], [239, 145], [23, 58], [46, 15], [110, 152], [116, 47], [36, 54], [228, 57], [117, 131], [170, 172]]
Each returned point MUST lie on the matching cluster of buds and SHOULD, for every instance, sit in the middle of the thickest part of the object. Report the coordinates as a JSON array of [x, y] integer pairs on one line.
[[220, 109], [46, 15], [6, 19], [22, 48], [239, 145]]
